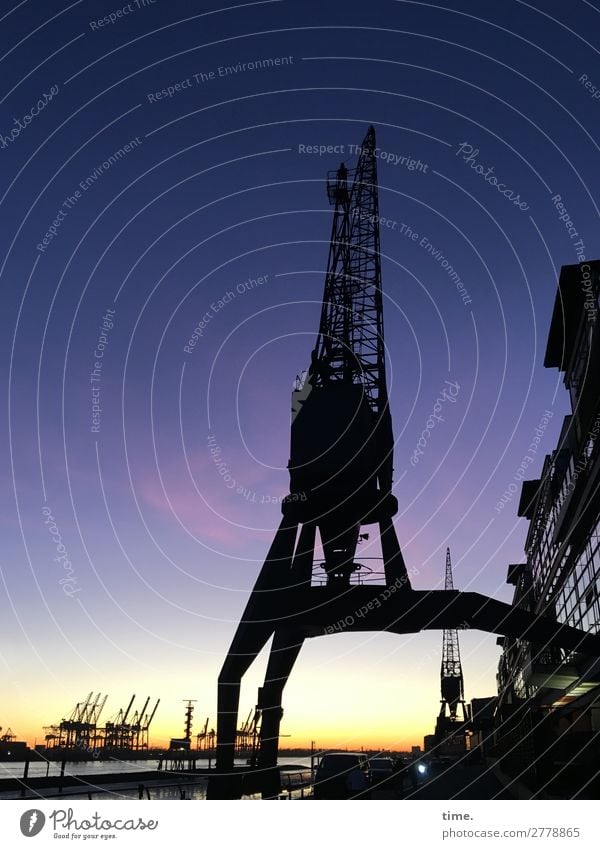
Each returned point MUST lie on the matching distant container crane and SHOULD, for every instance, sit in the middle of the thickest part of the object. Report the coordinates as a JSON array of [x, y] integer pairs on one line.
[[132, 735], [117, 730], [79, 731], [8, 735], [205, 739], [246, 742], [10, 747], [80, 734]]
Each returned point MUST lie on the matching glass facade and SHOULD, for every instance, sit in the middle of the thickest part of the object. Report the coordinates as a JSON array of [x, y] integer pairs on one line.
[[578, 601], [561, 575]]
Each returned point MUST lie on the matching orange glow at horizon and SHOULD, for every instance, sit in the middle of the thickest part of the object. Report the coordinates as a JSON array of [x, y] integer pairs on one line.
[[325, 737], [375, 691]]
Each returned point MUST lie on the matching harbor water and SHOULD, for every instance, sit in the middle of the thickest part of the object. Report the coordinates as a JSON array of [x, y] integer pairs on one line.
[[166, 784]]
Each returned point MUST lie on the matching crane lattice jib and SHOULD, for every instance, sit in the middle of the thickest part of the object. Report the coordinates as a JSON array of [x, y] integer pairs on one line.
[[350, 343]]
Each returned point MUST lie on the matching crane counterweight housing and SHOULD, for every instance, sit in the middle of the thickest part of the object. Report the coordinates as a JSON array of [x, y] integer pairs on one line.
[[333, 457]]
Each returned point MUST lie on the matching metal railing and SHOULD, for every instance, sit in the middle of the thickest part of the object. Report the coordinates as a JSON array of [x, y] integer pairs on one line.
[[363, 574]]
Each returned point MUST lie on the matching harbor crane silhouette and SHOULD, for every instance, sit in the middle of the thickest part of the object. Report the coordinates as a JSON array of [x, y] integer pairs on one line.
[[452, 686], [341, 479]]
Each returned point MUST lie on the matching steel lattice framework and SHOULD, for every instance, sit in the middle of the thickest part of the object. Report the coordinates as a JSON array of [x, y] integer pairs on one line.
[[350, 343], [451, 673]]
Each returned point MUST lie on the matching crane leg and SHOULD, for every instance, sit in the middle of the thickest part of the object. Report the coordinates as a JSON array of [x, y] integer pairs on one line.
[[284, 651], [256, 626], [395, 567]]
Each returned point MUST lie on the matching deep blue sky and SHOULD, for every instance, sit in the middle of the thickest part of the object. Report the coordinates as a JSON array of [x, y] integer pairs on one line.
[[213, 192]]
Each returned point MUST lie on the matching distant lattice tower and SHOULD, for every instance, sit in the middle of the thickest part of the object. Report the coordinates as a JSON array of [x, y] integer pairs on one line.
[[189, 718], [452, 683]]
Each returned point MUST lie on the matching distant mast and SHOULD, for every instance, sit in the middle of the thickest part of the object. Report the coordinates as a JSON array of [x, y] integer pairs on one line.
[[452, 683]]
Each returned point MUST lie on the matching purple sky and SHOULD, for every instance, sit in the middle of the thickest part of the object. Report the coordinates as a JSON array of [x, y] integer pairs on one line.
[[214, 191]]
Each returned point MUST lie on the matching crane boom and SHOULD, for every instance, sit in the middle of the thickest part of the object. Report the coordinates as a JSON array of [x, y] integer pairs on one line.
[[350, 343]]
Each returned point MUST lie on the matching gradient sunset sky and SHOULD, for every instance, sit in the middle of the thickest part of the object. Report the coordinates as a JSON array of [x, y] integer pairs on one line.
[[215, 190]]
